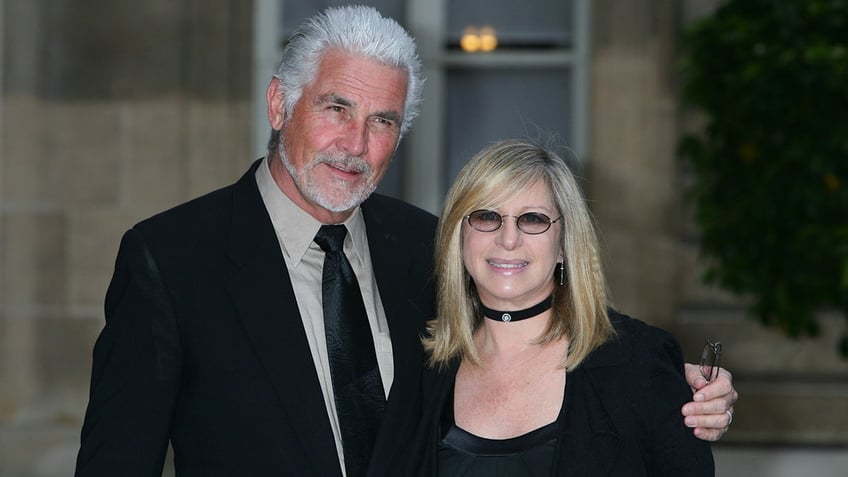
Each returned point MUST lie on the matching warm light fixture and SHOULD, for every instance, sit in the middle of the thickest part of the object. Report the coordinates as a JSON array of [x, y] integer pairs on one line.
[[478, 39], [488, 39], [470, 40]]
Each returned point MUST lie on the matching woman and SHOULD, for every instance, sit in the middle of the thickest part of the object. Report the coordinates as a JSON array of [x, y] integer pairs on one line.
[[530, 372]]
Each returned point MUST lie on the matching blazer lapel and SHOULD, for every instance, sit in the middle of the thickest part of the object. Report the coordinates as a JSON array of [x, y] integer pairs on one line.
[[399, 281], [393, 267], [585, 416], [262, 292]]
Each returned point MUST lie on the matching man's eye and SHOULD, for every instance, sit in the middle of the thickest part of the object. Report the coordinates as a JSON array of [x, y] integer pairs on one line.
[[384, 122]]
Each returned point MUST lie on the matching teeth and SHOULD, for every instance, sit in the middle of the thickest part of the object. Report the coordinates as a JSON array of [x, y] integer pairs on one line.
[[507, 265]]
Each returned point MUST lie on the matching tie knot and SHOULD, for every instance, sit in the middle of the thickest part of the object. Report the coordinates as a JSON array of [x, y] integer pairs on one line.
[[331, 238]]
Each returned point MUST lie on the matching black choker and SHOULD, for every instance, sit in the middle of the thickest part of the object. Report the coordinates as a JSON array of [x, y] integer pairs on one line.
[[517, 315]]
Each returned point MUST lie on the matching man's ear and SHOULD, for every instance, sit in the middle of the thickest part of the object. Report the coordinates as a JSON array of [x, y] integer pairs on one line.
[[276, 104]]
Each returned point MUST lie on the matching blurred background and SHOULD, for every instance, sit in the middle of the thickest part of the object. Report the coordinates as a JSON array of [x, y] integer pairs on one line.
[[112, 110]]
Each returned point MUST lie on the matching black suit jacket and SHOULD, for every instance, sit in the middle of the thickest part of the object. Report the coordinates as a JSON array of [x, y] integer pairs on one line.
[[620, 417], [204, 345]]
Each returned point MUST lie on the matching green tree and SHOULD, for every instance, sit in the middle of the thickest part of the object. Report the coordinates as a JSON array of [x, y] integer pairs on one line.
[[770, 166]]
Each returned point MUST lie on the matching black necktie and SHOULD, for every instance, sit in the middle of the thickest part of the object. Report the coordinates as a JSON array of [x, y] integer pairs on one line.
[[357, 386]]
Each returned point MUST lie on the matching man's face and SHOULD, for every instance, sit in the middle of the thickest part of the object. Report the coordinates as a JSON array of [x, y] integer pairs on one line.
[[339, 139]]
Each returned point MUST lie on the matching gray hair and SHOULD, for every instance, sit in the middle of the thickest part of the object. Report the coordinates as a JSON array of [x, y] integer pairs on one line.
[[358, 30]]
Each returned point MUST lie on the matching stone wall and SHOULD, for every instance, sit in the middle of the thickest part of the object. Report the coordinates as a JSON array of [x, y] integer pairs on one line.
[[111, 110], [633, 186]]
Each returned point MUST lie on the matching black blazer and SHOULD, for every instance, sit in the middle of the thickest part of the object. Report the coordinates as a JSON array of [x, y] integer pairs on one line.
[[620, 417], [204, 345]]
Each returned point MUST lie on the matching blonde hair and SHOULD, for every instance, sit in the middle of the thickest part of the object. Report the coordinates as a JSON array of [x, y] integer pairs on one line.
[[490, 178]]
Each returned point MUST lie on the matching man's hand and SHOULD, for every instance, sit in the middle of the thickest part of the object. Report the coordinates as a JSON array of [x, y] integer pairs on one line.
[[711, 409]]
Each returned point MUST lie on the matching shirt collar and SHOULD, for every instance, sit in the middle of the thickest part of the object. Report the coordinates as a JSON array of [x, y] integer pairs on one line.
[[295, 241]]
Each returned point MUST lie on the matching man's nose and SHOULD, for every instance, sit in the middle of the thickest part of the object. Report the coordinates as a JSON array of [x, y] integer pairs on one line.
[[354, 139]]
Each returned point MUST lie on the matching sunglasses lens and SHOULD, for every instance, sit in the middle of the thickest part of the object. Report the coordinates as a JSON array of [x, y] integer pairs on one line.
[[534, 223], [484, 220], [709, 361]]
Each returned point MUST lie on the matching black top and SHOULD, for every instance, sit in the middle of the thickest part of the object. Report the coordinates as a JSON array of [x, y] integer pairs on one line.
[[463, 454]]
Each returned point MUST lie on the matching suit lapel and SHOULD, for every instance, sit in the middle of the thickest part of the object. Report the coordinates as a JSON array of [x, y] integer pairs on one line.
[[400, 292], [589, 443], [263, 295], [392, 268]]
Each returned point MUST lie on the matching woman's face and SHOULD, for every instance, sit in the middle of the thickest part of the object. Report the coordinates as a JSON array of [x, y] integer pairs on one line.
[[511, 269]]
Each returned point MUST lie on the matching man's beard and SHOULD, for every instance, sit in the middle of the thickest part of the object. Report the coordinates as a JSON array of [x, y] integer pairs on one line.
[[340, 198]]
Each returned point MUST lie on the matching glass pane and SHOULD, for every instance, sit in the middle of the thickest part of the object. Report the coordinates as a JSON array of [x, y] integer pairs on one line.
[[490, 104], [295, 11], [526, 23]]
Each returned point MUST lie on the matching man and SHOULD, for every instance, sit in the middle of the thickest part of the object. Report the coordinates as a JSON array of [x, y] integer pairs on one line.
[[215, 333]]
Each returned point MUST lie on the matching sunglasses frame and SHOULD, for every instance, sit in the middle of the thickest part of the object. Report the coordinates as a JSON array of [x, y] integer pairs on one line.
[[517, 221], [710, 360]]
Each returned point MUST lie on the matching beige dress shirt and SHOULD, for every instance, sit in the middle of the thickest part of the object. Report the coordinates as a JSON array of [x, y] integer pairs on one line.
[[305, 261]]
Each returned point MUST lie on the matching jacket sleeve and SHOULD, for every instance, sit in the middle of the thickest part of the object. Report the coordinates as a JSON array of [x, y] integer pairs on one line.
[[136, 371], [672, 448]]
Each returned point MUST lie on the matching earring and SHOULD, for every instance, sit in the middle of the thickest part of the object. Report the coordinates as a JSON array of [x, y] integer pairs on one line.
[[561, 273]]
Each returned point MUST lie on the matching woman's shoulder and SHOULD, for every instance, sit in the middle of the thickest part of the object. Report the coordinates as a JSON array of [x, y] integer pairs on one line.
[[634, 341], [633, 329]]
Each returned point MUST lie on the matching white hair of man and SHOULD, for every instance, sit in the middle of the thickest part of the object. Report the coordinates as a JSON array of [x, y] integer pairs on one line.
[[356, 29]]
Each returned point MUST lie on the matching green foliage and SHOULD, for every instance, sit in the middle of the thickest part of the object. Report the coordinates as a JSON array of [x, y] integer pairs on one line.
[[771, 163]]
